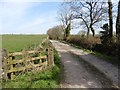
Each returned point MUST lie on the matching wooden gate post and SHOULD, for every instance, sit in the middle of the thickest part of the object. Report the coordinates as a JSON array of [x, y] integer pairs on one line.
[[3, 64], [50, 57]]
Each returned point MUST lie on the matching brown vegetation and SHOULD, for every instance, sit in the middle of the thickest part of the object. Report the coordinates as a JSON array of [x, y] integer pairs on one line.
[[84, 42], [93, 43]]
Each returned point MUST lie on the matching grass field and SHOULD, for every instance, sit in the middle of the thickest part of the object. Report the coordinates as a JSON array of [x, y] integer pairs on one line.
[[13, 43]]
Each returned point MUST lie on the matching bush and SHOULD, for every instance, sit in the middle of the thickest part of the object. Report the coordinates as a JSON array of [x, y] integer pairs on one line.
[[94, 44], [84, 42], [109, 49]]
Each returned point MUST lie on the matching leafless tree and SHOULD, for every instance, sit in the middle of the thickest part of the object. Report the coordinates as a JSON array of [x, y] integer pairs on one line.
[[90, 12], [65, 16], [118, 23], [110, 18]]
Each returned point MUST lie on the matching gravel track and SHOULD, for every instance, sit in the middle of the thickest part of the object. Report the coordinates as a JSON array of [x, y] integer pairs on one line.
[[83, 70]]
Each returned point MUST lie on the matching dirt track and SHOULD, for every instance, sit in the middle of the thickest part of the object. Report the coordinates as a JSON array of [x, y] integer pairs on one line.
[[79, 73]]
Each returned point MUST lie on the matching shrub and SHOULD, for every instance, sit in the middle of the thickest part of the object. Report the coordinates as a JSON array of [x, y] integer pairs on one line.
[[94, 44], [84, 42], [105, 34], [109, 49]]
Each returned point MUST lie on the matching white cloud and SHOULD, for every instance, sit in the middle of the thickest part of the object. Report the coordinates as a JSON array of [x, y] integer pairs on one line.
[[12, 13], [38, 25], [32, 23], [15, 10]]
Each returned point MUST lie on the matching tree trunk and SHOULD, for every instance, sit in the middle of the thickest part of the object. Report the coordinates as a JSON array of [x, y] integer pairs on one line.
[[93, 31], [118, 23], [86, 26], [88, 32], [110, 19], [68, 28], [91, 20]]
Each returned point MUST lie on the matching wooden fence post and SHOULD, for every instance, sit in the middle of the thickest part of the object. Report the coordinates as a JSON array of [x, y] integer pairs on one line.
[[3, 61], [50, 57]]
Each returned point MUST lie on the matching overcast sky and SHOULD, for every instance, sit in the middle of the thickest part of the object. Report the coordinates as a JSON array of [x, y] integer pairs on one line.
[[28, 16]]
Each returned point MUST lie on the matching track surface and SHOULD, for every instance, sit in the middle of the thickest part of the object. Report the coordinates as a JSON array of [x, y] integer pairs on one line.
[[83, 70]]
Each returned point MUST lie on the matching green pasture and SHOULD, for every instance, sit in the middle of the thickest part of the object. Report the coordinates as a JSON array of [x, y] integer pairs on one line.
[[13, 43]]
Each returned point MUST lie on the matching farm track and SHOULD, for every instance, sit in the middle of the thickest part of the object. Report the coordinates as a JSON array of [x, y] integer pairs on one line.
[[83, 70]]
